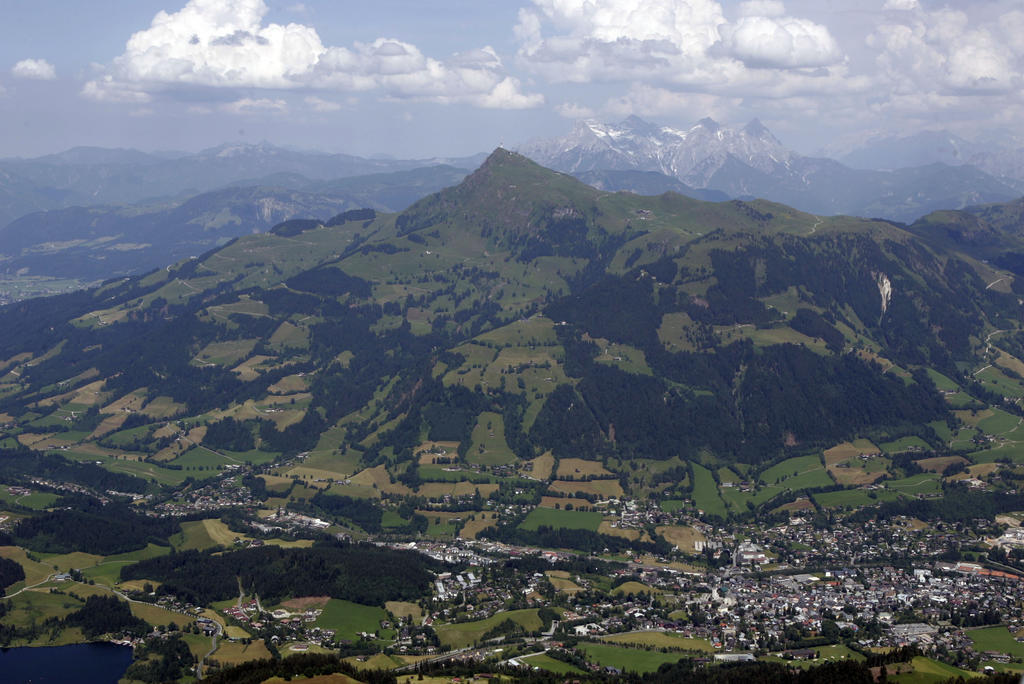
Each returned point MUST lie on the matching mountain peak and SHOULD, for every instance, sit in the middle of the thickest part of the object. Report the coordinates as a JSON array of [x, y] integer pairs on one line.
[[501, 157], [756, 128], [709, 123]]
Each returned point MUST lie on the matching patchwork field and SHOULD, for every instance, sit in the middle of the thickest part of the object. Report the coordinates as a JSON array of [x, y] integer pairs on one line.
[[685, 538], [474, 527], [602, 488], [560, 581], [607, 528], [465, 634]]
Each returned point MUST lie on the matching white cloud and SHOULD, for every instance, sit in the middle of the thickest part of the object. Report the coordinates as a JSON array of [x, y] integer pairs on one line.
[[226, 44], [762, 8], [248, 105], [106, 89], [645, 100], [780, 42], [946, 53], [318, 104], [674, 43], [38, 69], [901, 5], [572, 110]]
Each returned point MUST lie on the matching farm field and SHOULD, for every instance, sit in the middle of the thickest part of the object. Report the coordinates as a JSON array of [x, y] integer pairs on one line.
[[488, 442], [577, 468], [672, 505], [540, 468], [904, 444], [35, 500], [546, 662], [660, 640], [560, 581], [601, 488], [799, 472], [852, 498], [685, 538], [236, 653], [634, 588], [401, 609], [925, 483], [204, 534], [347, 619], [35, 571], [927, 671], [474, 527], [996, 639], [467, 633], [560, 519], [634, 660], [705, 492]]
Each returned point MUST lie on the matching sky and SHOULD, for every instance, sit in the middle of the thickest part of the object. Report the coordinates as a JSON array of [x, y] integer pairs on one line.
[[425, 78]]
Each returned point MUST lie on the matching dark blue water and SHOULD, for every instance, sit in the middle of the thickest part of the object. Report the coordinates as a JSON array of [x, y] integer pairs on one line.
[[80, 663]]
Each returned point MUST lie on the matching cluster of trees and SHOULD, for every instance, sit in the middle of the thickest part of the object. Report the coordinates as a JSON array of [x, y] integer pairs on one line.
[[19, 465], [784, 391], [230, 435], [308, 665], [161, 659], [87, 525], [10, 572], [563, 538], [958, 504], [363, 512], [361, 573], [106, 615]]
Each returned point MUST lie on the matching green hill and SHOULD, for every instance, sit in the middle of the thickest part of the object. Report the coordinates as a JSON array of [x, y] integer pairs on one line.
[[603, 326]]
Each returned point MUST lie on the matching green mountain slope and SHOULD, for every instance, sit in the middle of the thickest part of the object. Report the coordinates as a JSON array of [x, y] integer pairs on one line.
[[519, 313]]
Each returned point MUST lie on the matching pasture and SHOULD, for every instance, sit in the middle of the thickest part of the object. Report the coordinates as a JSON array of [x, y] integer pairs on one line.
[[561, 519], [348, 619], [996, 639], [623, 658], [462, 634], [488, 442], [660, 640], [577, 468], [685, 537], [540, 468], [601, 488], [705, 492], [546, 662], [904, 444]]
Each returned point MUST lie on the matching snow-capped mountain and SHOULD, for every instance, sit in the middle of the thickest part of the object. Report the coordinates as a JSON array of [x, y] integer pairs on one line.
[[692, 155], [749, 161]]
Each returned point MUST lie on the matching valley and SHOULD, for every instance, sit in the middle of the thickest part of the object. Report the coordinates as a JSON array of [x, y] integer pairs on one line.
[[526, 422]]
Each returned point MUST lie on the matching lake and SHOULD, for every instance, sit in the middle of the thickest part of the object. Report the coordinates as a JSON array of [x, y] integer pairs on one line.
[[82, 663]]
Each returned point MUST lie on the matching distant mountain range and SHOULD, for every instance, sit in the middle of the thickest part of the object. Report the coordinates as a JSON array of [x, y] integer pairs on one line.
[[83, 215], [1000, 154], [90, 213], [749, 162], [87, 176]]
